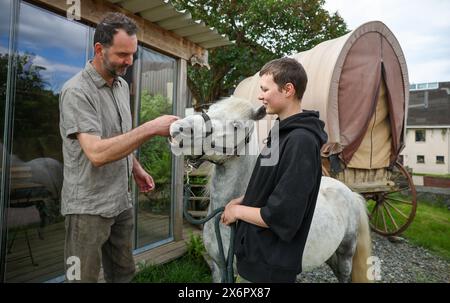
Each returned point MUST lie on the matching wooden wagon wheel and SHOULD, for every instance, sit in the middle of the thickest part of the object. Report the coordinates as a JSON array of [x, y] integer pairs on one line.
[[392, 212]]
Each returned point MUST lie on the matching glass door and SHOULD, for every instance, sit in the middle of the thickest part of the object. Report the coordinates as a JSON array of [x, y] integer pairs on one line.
[[50, 50], [156, 98]]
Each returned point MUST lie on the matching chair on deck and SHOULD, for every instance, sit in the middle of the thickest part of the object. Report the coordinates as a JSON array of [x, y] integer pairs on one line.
[[24, 211]]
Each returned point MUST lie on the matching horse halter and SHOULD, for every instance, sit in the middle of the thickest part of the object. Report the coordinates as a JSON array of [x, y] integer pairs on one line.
[[208, 135]]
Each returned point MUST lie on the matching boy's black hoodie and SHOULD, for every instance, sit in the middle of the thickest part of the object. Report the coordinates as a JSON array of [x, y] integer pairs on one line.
[[286, 193]]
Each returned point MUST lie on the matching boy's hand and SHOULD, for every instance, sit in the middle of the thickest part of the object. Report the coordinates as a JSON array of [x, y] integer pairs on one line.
[[236, 201], [229, 215]]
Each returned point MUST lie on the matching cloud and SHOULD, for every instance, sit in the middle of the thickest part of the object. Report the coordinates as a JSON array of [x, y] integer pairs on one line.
[[424, 70], [54, 67], [3, 50], [422, 29], [55, 74], [38, 29]]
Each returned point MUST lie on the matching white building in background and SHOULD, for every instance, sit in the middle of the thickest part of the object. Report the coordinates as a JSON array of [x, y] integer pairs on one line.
[[427, 149], [427, 138]]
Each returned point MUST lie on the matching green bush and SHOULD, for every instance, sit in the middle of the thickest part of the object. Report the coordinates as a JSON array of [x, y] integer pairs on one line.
[[195, 247], [189, 268], [155, 155]]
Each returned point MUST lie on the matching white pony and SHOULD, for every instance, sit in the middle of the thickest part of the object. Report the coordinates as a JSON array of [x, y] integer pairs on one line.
[[339, 234]]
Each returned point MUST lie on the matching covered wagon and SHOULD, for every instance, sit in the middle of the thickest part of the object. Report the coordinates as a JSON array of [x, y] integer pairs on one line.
[[359, 84]]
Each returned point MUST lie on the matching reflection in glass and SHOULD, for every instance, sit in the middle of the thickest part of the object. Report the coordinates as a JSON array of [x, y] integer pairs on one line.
[[5, 21], [5, 8], [51, 50], [157, 93]]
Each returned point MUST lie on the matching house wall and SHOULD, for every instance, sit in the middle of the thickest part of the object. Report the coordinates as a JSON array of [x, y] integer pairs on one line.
[[437, 143]]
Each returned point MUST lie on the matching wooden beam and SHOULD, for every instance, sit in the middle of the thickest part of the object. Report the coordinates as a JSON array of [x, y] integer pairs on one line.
[[179, 160], [93, 11]]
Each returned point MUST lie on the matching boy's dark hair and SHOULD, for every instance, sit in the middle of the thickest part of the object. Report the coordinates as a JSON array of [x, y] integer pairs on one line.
[[105, 31], [287, 70]]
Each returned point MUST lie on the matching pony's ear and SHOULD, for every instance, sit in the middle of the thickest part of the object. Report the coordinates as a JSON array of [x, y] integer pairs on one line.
[[258, 114]]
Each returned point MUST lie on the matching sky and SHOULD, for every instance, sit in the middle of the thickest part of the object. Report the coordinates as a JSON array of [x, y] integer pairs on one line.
[[51, 41], [421, 27]]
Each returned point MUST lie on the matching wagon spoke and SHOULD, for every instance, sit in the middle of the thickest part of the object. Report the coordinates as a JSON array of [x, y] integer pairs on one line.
[[384, 220], [391, 217], [397, 210], [400, 200], [378, 215], [373, 210]]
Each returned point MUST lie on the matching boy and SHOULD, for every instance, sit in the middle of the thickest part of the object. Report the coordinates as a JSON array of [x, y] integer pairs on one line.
[[276, 211]]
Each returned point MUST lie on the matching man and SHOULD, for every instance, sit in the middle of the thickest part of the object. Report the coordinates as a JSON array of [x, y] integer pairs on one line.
[[95, 125], [276, 211]]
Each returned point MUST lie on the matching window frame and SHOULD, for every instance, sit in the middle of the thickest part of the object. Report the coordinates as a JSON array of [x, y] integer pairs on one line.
[[418, 131], [418, 161], [440, 162]]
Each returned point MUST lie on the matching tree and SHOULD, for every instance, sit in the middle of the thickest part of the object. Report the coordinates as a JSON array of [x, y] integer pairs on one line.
[[36, 112], [155, 155], [262, 30]]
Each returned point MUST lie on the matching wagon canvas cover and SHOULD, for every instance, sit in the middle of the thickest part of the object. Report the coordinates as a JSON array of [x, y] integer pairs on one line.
[[359, 84]]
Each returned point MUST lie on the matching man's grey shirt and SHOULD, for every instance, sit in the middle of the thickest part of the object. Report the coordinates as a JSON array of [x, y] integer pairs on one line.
[[88, 105]]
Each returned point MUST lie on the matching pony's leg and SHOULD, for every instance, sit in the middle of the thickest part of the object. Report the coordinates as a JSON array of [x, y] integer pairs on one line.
[[215, 272], [332, 262], [341, 261]]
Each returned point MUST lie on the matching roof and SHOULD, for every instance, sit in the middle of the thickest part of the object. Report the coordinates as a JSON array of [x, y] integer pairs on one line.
[[430, 107], [164, 14]]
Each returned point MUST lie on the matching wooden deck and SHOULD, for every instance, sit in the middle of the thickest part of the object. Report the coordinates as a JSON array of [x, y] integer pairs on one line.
[[48, 253]]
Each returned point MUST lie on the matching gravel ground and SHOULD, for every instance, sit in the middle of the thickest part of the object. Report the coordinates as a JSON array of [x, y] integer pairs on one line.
[[401, 262]]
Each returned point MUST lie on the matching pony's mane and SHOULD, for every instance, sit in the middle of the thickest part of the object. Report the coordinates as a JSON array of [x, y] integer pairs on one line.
[[231, 108]]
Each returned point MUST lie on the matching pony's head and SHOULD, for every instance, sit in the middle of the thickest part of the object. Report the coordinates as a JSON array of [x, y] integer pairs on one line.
[[216, 135]]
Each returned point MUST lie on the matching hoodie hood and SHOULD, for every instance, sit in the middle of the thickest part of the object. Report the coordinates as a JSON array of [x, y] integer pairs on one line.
[[308, 120]]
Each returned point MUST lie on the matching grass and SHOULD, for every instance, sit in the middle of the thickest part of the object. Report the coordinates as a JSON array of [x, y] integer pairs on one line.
[[183, 270], [189, 268], [444, 176], [430, 227]]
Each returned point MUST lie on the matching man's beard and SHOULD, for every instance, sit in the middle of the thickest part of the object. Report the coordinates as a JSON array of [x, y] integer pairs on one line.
[[113, 69]]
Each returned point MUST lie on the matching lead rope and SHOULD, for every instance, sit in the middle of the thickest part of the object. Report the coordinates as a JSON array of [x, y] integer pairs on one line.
[[225, 265]]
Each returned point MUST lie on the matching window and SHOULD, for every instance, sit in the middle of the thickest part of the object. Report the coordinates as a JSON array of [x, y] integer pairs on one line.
[[5, 8], [50, 50], [5, 61], [157, 95], [440, 160], [422, 86], [420, 135], [420, 159]]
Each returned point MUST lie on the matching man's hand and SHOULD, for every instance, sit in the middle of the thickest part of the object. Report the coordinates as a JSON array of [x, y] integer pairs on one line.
[[229, 215], [161, 125], [143, 180], [103, 151]]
